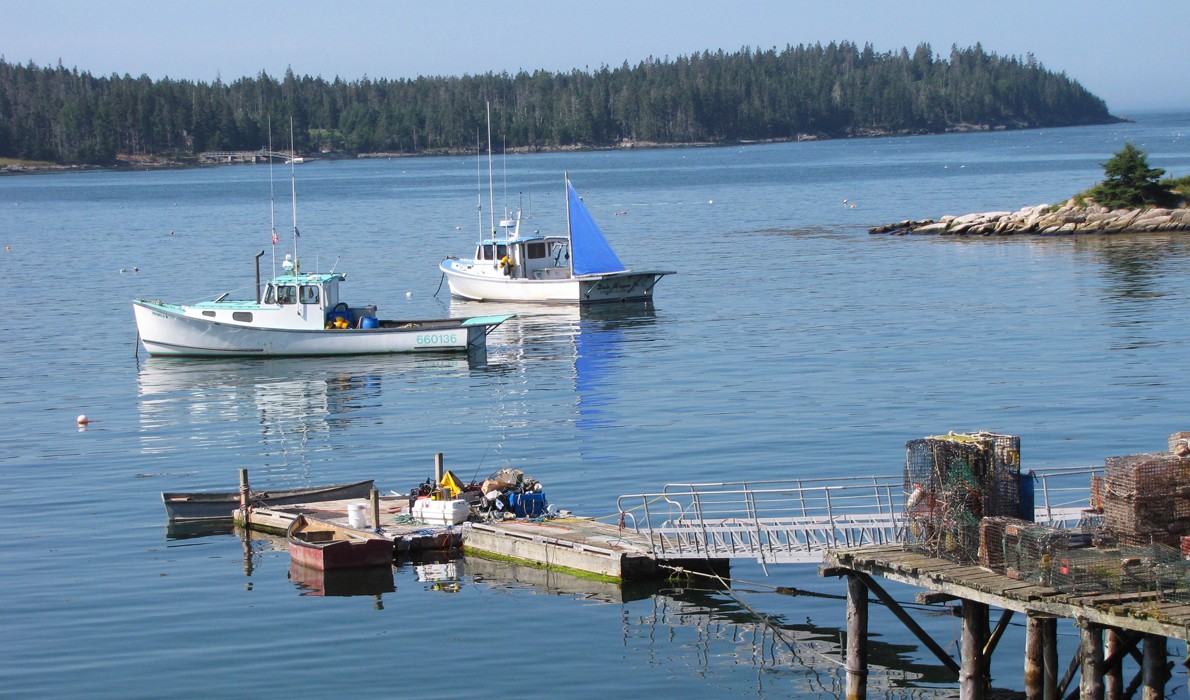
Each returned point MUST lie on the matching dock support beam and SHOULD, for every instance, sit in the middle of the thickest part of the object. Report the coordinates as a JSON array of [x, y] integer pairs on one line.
[[1091, 651], [857, 638], [973, 674], [1041, 658], [1113, 673], [1155, 670]]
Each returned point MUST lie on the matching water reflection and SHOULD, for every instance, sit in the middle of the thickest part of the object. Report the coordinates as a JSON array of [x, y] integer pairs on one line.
[[712, 633], [287, 407], [590, 340]]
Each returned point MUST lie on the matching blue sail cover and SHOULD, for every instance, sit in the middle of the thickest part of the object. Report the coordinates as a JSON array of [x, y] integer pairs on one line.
[[590, 253]]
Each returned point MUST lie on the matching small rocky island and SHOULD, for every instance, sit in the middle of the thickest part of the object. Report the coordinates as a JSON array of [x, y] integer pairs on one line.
[[1046, 219], [1131, 199]]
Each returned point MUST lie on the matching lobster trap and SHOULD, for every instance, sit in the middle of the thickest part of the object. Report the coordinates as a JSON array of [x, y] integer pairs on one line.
[[1146, 498], [951, 483], [1021, 549]]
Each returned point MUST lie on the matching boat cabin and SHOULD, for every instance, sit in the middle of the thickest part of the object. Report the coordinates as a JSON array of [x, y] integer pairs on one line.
[[536, 257]]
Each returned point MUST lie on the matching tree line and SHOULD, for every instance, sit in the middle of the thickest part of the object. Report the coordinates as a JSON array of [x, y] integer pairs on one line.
[[841, 89]]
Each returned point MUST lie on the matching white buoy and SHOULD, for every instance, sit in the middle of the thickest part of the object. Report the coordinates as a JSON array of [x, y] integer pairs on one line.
[[82, 419], [710, 201], [408, 295]]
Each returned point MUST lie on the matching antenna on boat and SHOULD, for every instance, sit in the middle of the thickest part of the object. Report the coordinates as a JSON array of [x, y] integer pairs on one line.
[[491, 192], [479, 181], [293, 193], [272, 212], [569, 240]]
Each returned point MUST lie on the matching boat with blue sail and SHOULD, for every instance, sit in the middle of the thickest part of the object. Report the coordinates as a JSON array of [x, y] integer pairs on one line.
[[578, 267]]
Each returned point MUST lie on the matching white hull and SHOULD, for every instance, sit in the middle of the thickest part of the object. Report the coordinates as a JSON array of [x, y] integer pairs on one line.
[[466, 283], [165, 330]]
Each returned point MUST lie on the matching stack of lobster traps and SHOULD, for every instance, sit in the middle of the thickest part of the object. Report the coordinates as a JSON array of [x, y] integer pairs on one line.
[[1135, 539]]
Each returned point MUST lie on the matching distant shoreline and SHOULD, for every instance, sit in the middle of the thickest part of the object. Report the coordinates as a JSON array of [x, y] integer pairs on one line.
[[12, 166]]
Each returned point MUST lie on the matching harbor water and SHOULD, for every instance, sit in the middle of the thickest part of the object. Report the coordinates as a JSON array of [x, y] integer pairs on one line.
[[790, 343]]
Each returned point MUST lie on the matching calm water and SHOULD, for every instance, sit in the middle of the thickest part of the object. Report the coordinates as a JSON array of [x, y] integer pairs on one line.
[[790, 343]]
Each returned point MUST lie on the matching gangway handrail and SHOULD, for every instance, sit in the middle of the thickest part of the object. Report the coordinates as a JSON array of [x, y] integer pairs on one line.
[[792, 519]]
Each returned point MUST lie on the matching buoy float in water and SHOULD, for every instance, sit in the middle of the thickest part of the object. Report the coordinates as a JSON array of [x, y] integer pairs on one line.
[[82, 419]]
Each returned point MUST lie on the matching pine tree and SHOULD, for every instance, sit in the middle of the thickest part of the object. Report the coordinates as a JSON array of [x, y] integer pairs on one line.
[[1130, 182]]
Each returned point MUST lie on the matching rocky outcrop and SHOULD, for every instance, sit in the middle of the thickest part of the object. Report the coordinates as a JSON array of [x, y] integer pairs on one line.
[[1048, 220]]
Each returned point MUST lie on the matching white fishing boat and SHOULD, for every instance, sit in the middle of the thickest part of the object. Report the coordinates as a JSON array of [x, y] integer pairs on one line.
[[297, 313], [578, 267]]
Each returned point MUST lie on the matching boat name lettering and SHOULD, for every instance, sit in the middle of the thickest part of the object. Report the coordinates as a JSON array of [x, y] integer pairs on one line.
[[438, 339]]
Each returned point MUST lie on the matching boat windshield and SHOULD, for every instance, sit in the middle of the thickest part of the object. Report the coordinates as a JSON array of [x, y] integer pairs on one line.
[[281, 294]]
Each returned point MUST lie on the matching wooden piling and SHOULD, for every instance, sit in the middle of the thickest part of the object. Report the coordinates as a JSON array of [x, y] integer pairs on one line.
[[973, 673], [1154, 669], [1091, 649], [244, 494], [857, 638], [374, 501], [1113, 676], [1034, 659], [1049, 657], [438, 470]]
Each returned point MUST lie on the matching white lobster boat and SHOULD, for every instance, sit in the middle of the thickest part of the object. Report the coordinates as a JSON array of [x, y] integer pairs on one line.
[[298, 314], [579, 267]]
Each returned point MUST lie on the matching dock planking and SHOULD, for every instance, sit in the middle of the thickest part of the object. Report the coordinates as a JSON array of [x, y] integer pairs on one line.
[[1133, 612]]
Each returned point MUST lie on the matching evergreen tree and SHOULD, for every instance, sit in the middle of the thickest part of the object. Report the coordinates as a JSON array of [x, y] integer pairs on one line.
[[1130, 182]]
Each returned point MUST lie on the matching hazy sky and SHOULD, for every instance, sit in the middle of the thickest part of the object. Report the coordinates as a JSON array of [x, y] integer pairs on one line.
[[1132, 54]]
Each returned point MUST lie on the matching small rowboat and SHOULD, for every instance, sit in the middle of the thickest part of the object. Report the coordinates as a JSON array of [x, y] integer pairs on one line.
[[323, 545], [181, 507]]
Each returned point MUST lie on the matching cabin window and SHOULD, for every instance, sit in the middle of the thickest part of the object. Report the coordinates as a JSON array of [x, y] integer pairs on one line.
[[501, 251], [309, 294], [242, 316], [287, 295], [536, 251], [485, 252], [270, 295], [209, 313]]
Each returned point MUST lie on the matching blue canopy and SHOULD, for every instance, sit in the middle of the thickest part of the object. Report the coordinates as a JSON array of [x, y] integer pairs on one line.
[[590, 253]]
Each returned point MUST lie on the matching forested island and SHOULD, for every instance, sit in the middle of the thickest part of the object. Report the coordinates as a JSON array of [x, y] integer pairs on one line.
[[66, 116]]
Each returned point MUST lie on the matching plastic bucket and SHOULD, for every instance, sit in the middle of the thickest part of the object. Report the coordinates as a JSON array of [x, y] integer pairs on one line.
[[357, 517], [369, 322]]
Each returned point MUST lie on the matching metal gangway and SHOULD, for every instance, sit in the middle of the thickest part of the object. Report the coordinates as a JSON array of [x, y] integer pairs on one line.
[[797, 520]]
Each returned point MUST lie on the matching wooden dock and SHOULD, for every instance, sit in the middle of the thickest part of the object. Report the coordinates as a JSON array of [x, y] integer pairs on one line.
[[407, 536], [1111, 626], [577, 545], [580, 545]]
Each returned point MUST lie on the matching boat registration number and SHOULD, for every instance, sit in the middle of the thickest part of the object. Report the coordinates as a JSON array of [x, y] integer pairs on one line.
[[438, 339]]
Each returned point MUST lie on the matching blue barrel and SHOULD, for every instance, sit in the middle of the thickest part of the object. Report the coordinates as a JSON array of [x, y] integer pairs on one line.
[[369, 322], [1026, 489]]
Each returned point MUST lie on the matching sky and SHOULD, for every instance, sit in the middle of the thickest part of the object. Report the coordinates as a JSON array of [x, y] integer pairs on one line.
[[1131, 54]]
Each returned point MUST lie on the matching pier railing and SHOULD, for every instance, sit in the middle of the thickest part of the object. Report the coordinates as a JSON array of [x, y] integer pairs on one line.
[[796, 520]]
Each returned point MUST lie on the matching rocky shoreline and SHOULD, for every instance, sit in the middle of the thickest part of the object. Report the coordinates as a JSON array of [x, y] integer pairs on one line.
[[1069, 218]]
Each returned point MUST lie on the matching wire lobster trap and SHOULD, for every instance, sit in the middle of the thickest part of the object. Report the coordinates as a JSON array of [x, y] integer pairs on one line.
[[951, 483], [1155, 569], [1146, 498], [1021, 549]]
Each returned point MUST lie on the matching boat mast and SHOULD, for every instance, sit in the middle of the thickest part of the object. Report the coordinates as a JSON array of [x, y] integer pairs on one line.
[[491, 192], [272, 210], [569, 240], [479, 183], [293, 194]]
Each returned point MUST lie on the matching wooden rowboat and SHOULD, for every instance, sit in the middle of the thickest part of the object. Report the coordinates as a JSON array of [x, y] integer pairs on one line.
[[323, 545], [218, 506]]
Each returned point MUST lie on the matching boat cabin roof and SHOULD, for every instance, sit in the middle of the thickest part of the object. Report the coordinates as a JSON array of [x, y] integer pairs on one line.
[[521, 240], [309, 278]]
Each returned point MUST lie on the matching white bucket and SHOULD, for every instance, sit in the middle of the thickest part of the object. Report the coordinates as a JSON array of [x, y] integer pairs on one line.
[[356, 516]]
